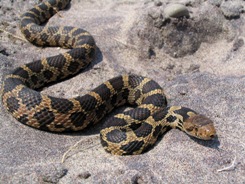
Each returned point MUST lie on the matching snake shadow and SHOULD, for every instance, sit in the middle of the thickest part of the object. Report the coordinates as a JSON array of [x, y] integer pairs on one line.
[[95, 130], [213, 144]]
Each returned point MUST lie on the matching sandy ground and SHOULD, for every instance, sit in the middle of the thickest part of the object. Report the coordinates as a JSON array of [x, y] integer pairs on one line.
[[198, 61]]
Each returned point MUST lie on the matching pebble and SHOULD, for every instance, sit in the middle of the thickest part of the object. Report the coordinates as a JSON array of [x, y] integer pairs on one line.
[[176, 11], [215, 2], [231, 9], [157, 3], [237, 44], [84, 175]]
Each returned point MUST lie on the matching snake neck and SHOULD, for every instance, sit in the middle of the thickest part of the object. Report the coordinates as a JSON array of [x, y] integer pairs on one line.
[[174, 116], [192, 123]]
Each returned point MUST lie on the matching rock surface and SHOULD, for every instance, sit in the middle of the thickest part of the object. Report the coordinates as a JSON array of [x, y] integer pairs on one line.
[[199, 61]]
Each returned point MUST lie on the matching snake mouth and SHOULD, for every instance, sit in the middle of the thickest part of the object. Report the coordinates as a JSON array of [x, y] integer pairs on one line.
[[200, 126]]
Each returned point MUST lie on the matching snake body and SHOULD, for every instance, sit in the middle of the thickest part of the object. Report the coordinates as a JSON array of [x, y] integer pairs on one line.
[[130, 132]]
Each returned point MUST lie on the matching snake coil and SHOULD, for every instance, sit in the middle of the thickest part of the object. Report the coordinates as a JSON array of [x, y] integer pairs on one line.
[[130, 132]]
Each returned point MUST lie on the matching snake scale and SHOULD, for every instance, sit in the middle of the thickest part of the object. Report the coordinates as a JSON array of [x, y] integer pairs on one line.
[[130, 132]]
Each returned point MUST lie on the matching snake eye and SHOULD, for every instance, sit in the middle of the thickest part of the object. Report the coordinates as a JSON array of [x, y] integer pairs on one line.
[[190, 128], [212, 136]]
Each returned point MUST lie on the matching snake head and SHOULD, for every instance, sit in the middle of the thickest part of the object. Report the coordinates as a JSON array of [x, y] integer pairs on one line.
[[199, 126]]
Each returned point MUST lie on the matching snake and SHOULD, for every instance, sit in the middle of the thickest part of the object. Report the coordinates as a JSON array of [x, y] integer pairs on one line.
[[130, 132]]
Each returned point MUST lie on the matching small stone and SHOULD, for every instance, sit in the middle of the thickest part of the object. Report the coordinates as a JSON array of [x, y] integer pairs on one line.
[[3, 51], [53, 175], [84, 175], [157, 3], [215, 2], [231, 9], [176, 11], [194, 68], [155, 13], [151, 53], [170, 67], [237, 44]]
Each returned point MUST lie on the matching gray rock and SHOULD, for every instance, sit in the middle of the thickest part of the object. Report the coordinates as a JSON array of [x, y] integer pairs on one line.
[[178, 37], [175, 11], [232, 9], [158, 3]]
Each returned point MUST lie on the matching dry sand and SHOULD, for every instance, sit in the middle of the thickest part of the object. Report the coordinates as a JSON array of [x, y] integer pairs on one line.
[[198, 61]]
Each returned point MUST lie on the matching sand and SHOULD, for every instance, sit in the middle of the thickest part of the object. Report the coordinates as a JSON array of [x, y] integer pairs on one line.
[[199, 61]]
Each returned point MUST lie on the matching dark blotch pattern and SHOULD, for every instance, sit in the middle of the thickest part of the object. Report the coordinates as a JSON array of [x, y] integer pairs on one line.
[[42, 18], [125, 94], [48, 74], [134, 80], [104, 143], [87, 102], [132, 147], [157, 130], [34, 30], [51, 11], [101, 111], [116, 136], [171, 119], [44, 117], [24, 22], [144, 130], [156, 99], [183, 112], [57, 61], [103, 91], [66, 39], [22, 73], [134, 126], [137, 94], [149, 86], [35, 11], [57, 37], [114, 121], [30, 15], [82, 39], [60, 5], [117, 100], [92, 52], [30, 98], [10, 84], [139, 113], [66, 30], [160, 115], [44, 37], [61, 105], [12, 104], [78, 54], [117, 83], [77, 32], [114, 100], [43, 6], [35, 66], [23, 119], [78, 118], [73, 67], [34, 79], [53, 31]]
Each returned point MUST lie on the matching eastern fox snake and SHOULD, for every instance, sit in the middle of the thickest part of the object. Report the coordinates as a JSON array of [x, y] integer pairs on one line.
[[130, 132]]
